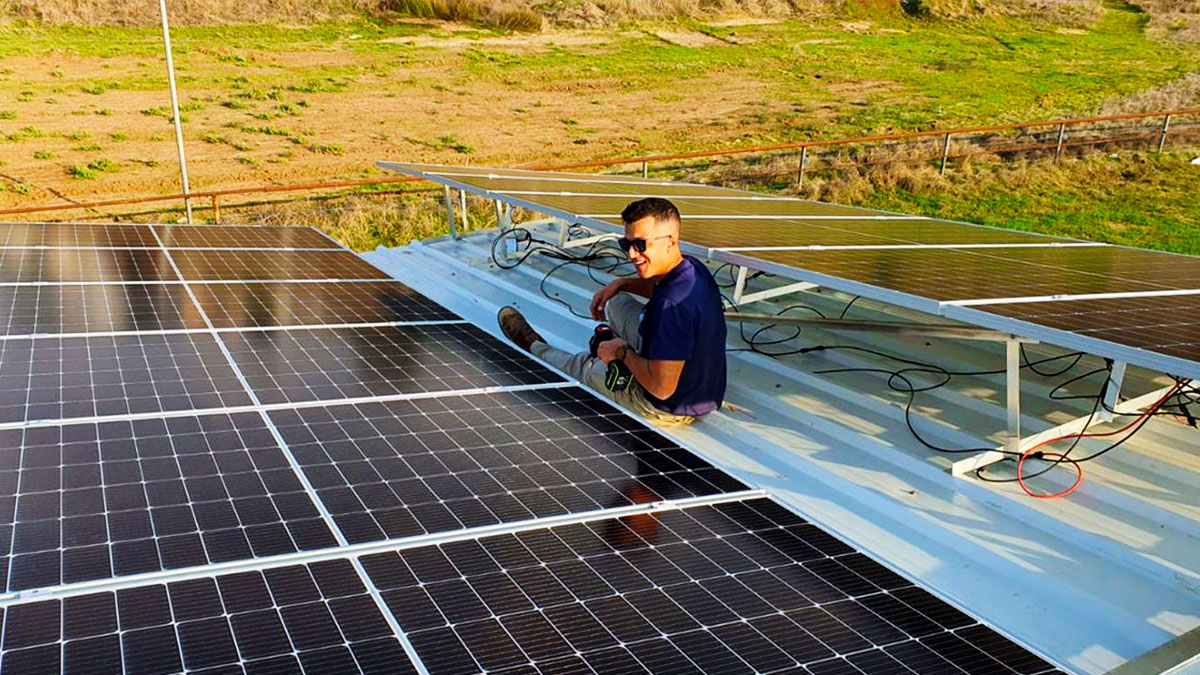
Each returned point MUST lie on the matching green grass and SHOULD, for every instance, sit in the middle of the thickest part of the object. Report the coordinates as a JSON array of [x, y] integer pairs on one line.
[[1135, 200]]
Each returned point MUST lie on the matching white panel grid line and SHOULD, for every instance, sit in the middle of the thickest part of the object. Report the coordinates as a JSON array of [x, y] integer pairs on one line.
[[44, 247], [296, 468], [268, 407], [1069, 297], [178, 282], [365, 548], [885, 247], [820, 566], [709, 216], [235, 329], [399, 632], [746, 198]]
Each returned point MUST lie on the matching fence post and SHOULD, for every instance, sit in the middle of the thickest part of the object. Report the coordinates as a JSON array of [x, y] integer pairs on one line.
[[803, 162], [450, 219], [945, 154], [462, 206], [1162, 135], [645, 169], [216, 206], [1062, 134]]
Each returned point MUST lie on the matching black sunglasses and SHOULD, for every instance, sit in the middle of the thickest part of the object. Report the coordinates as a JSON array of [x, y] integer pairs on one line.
[[639, 244]]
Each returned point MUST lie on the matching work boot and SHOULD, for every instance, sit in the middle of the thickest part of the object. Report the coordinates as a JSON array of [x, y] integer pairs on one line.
[[516, 328]]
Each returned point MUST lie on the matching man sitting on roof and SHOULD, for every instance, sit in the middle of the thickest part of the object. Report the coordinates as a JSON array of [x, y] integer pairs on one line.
[[674, 343]]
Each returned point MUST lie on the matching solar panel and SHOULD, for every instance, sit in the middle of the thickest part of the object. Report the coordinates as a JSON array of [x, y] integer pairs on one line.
[[77, 234], [940, 267], [28, 265], [110, 499], [60, 378], [184, 462], [229, 236], [1167, 325], [297, 304], [337, 363], [405, 468], [283, 265], [316, 618], [54, 309], [744, 587]]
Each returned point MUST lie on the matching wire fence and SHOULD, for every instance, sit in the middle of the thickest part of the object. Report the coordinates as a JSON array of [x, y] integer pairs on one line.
[[781, 163]]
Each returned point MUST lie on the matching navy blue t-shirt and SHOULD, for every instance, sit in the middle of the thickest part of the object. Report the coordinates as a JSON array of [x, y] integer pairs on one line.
[[685, 321]]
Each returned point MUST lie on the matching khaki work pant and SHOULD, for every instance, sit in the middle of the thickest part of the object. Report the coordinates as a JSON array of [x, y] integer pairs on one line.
[[624, 314]]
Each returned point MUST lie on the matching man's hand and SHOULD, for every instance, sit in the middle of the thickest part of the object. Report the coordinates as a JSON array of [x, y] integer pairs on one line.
[[602, 296], [610, 350]]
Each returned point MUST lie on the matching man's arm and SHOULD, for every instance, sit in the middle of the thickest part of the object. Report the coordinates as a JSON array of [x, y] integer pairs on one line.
[[659, 378], [638, 286]]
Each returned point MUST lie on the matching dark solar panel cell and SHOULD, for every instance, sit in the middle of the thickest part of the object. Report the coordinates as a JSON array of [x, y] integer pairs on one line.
[[96, 501], [26, 310], [289, 265], [77, 235], [190, 625], [557, 602], [59, 378], [951, 274], [408, 467], [227, 236], [298, 304], [329, 364], [25, 265], [1166, 325]]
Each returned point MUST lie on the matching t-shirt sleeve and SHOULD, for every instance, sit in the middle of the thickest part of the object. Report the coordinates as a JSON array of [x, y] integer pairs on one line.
[[674, 334]]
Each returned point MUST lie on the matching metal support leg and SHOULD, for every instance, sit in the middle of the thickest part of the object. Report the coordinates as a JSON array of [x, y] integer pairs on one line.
[[803, 164], [645, 169], [1112, 392], [945, 154], [462, 205], [1012, 386], [216, 207], [741, 297], [739, 286], [450, 219], [1062, 135]]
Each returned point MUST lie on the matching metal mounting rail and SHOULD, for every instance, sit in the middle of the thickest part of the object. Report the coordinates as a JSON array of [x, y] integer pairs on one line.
[[942, 330]]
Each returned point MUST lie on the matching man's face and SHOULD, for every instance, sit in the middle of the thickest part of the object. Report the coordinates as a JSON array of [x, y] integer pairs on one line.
[[659, 255]]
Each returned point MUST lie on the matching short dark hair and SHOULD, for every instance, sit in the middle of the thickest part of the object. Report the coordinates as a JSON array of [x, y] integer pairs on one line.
[[661, 209]]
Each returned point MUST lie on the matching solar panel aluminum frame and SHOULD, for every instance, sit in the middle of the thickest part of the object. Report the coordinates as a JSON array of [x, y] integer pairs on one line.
[[1104, 348]]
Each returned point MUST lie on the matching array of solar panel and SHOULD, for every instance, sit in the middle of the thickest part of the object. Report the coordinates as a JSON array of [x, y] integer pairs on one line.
[[297, 304], [934, 264], [339, 363], [80, 308], [229, 236], [362, 411], [744, 587], [404, 468], [1166, 324], [30, 265], [60, 378], [315, 618], [110, 499], [78, 234]]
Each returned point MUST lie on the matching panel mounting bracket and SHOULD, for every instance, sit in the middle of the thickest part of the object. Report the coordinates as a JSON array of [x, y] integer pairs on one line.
[[741, 297], [1015, 444]]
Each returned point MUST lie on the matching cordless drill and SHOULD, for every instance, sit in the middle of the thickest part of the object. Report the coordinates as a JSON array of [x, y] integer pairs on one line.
[[617, 376]]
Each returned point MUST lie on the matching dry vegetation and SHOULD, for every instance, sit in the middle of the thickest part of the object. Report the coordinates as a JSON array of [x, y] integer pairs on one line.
[[1175, 19], [1174, 95]]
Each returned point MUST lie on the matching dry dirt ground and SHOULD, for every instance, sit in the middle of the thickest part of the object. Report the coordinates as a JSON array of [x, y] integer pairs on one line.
[[83, 112]]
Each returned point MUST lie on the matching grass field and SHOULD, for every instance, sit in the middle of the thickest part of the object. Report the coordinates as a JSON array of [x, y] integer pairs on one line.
[[84, 113]]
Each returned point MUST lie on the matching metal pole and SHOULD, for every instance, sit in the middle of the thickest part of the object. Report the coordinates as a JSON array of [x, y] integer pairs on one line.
[[1062, 134], [803, 163], [187, 199], [1162, 135], [462, 206], [945, 154], [216, 206], [1012, 442], [645, 169], [450, 219]]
